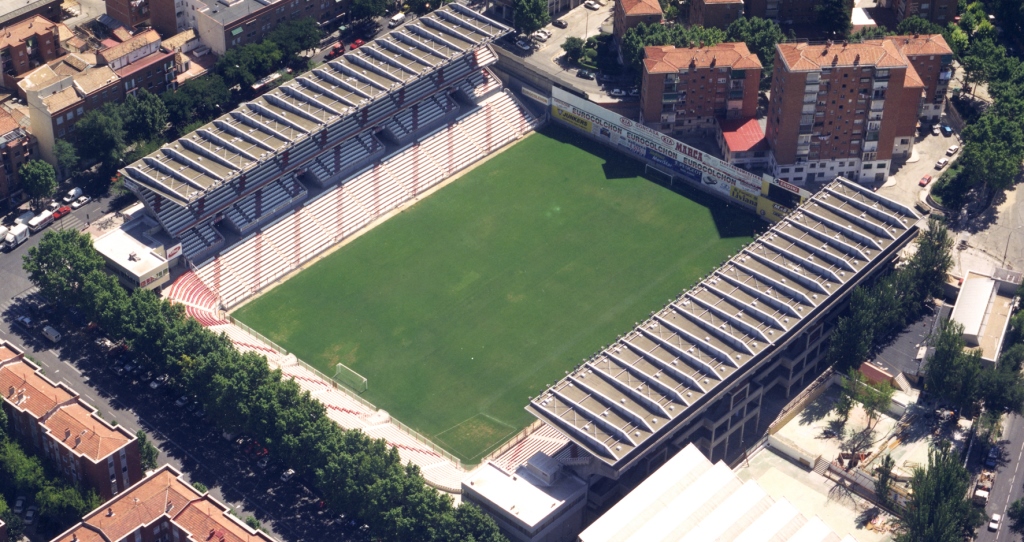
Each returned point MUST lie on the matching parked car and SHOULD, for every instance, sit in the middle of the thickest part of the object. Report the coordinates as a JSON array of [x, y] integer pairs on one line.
[[946, 130], [524, 45], [80, 202], [53, 206], [591, 4], [635, 91], [925, 180], [199, 414], [993, 457], [182, 401], [51, 334], [19, 505], [993, 524], [585, 74], [617, 93], [952, 150], [287, 475], [943, 162], [337, 50], [263, 462], [61, 212], [30, 516], [159, 381], [559, 23], [356, 44], [936, 130], [541, 35], [25, 322]]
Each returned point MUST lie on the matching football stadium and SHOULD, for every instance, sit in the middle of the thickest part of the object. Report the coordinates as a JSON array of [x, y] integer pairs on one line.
[[359, 226]]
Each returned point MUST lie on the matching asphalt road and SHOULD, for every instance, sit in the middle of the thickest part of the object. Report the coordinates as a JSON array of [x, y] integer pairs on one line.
[[289, 511], [1009, 483]]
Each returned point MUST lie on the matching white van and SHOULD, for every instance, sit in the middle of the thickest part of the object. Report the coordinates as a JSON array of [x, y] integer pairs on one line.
[[398, 19], [40, 222], [51, 334], [16, 236], [73, 194]]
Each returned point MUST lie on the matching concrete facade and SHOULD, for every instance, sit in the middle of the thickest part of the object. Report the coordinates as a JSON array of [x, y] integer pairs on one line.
[[715, 13], [17, 146]]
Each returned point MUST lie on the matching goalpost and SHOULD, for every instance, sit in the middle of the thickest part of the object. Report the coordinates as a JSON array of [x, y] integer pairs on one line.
[[658, 175], [350, 378]]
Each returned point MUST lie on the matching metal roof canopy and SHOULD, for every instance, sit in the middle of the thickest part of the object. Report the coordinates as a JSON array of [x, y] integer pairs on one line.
[[255, 131], [634, 392]]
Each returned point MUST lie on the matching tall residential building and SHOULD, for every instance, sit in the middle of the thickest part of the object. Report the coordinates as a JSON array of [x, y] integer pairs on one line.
[[161, 508], [17, 146], [940, 12], [715, 13], [25, 45], [849, 109], [627, 14], [131, 13], [52, 418], [685, 89]]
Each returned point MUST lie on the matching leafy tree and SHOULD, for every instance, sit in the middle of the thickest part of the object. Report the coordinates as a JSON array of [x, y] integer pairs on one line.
[[15, 526], [101, 134], [938, 510], [530, 15], [957, 39], [834, 17], [59, 264], [61, 505], [883, 480], [870, 33], [573, 48], [144, 115], [368, 9], [245, 65], [993, 150], [38, 179], [1016, 516], [201, 99], [950, 373], [761, 37], [643, 35], [1002, 390], [147, 450], [916, 25], [67, 157], [200, 487], [981, 60], [296, 35], [876, 399]]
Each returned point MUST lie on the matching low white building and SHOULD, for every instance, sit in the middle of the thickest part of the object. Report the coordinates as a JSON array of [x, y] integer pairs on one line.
[[983, 307], [133, 253]]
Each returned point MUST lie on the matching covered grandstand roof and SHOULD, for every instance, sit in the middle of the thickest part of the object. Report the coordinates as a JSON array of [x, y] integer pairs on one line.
[[266, 127], [631, 394]]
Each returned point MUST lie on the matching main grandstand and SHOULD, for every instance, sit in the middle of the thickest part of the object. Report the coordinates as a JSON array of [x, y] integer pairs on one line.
[[697, 369], [246, 168]]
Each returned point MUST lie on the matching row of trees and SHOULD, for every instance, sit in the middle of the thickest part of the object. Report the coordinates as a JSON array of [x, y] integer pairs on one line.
[[993, 145], [357, 475], [60, 505], [105, 133], [879, 311]]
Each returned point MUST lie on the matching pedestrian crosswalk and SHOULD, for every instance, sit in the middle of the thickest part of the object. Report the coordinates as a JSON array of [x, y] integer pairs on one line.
[[68, 222]]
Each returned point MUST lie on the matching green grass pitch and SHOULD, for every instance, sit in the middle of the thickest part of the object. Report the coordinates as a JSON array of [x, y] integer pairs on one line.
[[459, 308]]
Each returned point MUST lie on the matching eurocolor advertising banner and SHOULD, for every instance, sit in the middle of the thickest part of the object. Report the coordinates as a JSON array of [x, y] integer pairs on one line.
[[694, 165]]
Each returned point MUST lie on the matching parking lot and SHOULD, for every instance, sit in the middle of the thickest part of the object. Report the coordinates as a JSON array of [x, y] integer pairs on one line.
[[903, 185]]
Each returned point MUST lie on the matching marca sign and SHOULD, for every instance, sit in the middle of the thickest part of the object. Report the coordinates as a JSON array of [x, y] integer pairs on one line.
[[684, 160]]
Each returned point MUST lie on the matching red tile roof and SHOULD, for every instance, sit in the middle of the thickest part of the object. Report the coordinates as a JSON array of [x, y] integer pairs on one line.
[[927, 44], [670, 59], [641, 7], [23, 30], [82, 432], [164, 494], [743, 135], [26, 389], [807, 57], [143, 64]]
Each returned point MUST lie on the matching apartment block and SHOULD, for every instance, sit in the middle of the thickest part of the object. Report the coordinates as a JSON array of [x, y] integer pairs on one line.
[[140, 62], [784, 11], [17, 146], [940, 12], [52, 418], [684, 90], [223, 24], [25, 45], [131, 13], [630, 13], [715, 13], [849, 109], [61, 92], [161, 508]]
